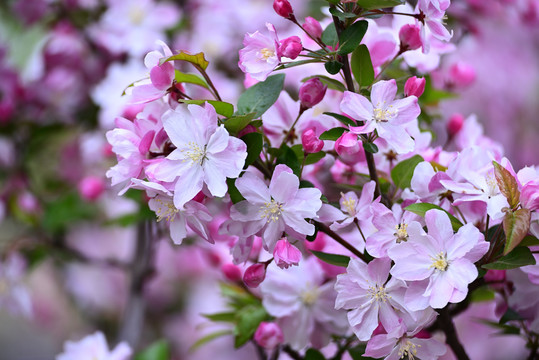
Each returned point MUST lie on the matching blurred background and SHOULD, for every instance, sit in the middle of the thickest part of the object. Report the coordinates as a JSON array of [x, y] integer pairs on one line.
[[65, 235]]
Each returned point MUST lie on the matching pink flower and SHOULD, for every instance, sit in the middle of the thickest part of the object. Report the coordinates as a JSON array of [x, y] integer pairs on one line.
[[383, 114], [461, 74], [434, 16], [283, 8], [454, 124], [349, 149], [281, 207], [312, 92], [286, 254], [529, 195], [355, 208], [444, 260], [290, 47], [365, 290], [304, 304], [268, 335], [311, 142], [94, 347], [91, 187], [260, 55], [414, 86], [204, 154]]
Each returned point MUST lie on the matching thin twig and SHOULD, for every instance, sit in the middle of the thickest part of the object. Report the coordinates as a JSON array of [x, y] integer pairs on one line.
[[326, 230]]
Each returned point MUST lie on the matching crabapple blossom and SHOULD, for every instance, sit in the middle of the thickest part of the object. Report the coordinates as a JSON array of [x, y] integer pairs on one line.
[[286, 254], [414, 86], [303, 303], [313, 27], [268, 335], [94, 347], [260, 56], [312, 92], [383, 114], [438, 266], [281, 207], [204, 154], [354, 208], [311, 143]]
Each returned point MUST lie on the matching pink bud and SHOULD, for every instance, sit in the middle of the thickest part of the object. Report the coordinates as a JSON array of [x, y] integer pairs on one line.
[[313, 27], [455, 124], [231, 272], [246, 130], [28, 202], [268, 335], [410, 37], [283, 8], [312, 92], [311, 142], [462, 74], [495, 276], [285, 254], [91, 187], [529, 195], [254, 275], [348, 148], [290, 47], [414, 86]]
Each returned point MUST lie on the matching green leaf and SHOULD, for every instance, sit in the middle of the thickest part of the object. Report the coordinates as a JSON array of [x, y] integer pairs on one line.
[[520, 256], [314, 157], [342, 118], [221, 317], [221, 107], [515, 225], [333, 259], [351, 37], [370, 147], [248, 320], [190, 79], [507, 184], [361, 65], [196, 59], [378, 4], [329, 82], [332, 134], [255, 144], [341, 15], [296, 63], [334, 2], [159, 350], [432, 96], [313, 354], [66, 211], [506, 329], [510, 315], [236, 123], [333, 67], [356, 353], [402, 172], [233, 191], [482, 294], [306, 184], [288, 157], [329, 36], [421, 208], [529, 241], [259, 97], [206, 339]]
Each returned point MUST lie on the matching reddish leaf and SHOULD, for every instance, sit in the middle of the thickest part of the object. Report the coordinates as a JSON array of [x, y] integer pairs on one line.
[[507, 184], [515, 225]]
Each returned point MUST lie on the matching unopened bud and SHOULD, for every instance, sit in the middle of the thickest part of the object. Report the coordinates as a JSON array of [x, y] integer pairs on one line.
[[348, 148], [91, 187], [414, 86], [290, 47], [410, 37], [286, 254], [312, 92], [313, 27], [268, 335], [231, 272], [311, 143], [283, 8], [455, 123], [462, 74], [254, 275]]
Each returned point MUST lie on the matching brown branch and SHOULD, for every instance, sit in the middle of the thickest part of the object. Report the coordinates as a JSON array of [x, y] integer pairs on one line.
[[326, 230]]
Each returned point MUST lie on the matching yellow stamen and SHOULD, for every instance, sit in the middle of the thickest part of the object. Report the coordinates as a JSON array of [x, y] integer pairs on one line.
[[271, 210], [439, 262]]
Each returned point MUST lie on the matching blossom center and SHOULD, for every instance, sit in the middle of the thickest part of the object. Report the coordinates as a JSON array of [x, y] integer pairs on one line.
[[378, 293], [401, 233], [408, 349], [195, 153], [349, 204], [267, 53], [166, 210], [492, 185], [271, 210], [309, 296], [383, 113], [136, 15], [439, 262]]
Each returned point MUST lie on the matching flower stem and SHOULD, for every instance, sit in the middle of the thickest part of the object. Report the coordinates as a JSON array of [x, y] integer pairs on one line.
[[326, 230]]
